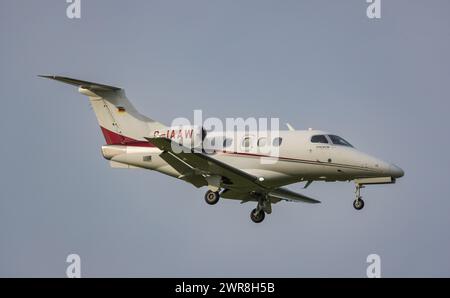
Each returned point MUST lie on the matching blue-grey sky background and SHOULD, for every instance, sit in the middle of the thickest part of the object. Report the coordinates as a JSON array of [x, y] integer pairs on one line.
[[381, 84]]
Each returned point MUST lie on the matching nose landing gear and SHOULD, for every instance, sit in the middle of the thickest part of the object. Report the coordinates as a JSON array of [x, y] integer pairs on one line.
[[358, 203]]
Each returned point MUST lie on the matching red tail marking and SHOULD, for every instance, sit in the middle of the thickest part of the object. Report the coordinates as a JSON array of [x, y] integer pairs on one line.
[[113, 138]]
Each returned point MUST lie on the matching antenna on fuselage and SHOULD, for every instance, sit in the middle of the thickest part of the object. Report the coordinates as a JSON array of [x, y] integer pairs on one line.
[[290, 127]]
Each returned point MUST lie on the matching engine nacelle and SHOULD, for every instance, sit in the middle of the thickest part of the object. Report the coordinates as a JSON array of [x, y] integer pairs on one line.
[[190, 136]]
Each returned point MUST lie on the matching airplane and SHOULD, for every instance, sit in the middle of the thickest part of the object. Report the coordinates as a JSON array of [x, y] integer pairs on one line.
[[235, 170]]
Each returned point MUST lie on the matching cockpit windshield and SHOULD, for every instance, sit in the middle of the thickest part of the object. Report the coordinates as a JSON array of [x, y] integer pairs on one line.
[[319, 139], [339, 141]]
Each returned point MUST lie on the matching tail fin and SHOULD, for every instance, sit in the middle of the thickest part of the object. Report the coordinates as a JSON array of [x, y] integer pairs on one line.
[[119, 121]]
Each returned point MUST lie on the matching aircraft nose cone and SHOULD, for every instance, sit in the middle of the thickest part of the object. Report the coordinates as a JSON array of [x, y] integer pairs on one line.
[[395, 171]]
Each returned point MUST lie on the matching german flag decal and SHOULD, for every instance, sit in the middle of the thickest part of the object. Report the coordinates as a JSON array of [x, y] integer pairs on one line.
[[121, 109]]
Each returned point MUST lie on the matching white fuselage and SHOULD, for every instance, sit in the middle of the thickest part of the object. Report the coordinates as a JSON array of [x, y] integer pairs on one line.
[[295, 159]]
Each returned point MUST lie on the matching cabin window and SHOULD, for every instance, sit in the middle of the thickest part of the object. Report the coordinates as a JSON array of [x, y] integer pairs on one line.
[[319, 139], [212, 142], [262, 142], [246, 142], [277, 142], [339, 141], [227, 143]]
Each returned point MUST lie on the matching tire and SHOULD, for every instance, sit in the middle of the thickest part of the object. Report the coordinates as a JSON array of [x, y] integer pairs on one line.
[[358, 204], [257, 217], [212, 197]]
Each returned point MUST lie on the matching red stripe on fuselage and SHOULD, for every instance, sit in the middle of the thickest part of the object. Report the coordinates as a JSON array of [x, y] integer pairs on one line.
[[113, 138]]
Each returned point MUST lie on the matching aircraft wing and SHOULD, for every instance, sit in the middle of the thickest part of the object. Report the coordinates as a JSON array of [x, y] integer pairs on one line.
[[190, 162], [289, 195], [188, 173]]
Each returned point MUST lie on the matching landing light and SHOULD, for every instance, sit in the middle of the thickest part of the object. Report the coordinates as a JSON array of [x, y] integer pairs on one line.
[[261, 179]]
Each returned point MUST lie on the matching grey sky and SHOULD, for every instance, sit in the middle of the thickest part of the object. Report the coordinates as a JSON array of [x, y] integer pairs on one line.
[[383, 85]]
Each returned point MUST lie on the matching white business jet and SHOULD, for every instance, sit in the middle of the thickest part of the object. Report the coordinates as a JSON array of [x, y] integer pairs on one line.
[[235, 168]]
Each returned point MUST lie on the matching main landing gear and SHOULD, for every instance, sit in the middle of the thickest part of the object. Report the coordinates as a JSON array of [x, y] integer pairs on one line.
[[257, 215], [212, 197], [358, 203]]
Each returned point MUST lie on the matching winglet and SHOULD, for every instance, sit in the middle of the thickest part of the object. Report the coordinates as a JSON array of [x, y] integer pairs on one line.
[[162, 143]]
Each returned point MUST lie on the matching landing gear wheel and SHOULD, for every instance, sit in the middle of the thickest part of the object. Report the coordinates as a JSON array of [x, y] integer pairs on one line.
[[257, 216], [212, 197], [358, 204]]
